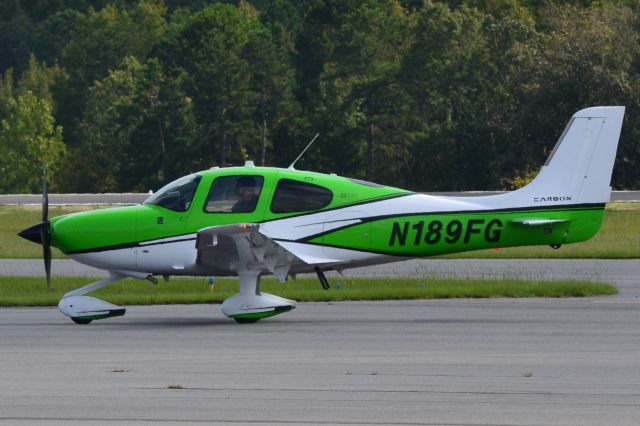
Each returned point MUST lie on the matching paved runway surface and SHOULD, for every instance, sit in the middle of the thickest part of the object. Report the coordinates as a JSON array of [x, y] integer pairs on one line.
[[515, 362]]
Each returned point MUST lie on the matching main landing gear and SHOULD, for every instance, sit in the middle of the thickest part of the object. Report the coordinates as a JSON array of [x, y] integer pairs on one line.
[[250, 305]]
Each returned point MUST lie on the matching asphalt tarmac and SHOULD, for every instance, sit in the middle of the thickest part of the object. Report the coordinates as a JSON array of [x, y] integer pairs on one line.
[[462, 362]]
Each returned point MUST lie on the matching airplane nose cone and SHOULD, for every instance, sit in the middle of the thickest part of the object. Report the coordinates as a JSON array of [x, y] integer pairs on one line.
[[34, 233]]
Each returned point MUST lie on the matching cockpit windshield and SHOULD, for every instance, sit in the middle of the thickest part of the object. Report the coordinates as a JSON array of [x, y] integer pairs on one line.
[[177, 195]]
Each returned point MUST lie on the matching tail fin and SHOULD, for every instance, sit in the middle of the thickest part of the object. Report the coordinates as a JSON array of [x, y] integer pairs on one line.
[[579, 168]]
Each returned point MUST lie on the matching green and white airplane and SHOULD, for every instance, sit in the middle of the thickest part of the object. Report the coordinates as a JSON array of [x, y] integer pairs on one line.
[[253, 221]]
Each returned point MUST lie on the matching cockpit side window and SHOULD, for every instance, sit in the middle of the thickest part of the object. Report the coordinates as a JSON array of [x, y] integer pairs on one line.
[[177, 195], [234, 194]]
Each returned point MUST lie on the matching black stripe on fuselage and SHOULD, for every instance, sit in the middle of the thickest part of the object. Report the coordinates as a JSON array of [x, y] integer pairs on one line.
[[123, 246]]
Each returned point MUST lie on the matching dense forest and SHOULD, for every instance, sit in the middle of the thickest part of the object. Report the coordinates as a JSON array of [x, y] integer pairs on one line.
[[123, 95]]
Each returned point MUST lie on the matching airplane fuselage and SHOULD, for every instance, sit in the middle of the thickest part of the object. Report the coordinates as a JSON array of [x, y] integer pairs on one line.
[[361, 224]]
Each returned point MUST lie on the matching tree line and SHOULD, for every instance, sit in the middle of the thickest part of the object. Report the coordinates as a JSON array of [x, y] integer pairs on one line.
[[123, 95]]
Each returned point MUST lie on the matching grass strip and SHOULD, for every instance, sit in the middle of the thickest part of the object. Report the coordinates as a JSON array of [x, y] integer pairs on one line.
[[28, 291]]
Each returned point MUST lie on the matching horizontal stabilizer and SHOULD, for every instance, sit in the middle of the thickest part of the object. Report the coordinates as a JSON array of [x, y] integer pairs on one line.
[[536, 222]]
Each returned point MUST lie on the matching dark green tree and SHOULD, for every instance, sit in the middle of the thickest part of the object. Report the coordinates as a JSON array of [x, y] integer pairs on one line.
[[459, 74], [137, 127], [352, 56], [583, 57], [29, 140], [99, 42], [16, 37], [210, 53], [273, 79], [429, 94]]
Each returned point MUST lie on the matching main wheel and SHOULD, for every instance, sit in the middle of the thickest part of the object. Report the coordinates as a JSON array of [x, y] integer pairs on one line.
[[246, 320], [81, 320]]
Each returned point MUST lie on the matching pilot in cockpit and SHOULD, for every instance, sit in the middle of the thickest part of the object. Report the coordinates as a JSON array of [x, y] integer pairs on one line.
[[247, 189]]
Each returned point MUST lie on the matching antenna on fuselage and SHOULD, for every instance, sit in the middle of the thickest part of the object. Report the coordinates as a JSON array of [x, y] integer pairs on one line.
[[303, 151]]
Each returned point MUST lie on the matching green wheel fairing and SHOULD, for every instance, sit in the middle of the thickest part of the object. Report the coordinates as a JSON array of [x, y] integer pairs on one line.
[[89, 318], [443, 233]]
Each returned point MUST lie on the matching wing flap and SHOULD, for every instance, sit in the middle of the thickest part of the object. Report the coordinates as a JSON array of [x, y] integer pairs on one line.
[[255, 251]]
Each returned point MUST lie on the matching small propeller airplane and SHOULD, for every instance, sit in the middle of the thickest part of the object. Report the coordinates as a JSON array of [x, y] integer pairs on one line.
[[253, 221]]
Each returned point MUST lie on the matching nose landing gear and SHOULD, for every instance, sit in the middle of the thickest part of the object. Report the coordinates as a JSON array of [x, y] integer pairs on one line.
[[84, 309]]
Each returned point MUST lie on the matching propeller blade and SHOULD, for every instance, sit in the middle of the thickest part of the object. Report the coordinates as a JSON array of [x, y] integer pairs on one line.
[[45, 197], [46, 254], [45, 230]]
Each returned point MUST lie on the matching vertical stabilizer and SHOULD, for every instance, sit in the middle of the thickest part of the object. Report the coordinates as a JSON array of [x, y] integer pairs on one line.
[[579, 168]]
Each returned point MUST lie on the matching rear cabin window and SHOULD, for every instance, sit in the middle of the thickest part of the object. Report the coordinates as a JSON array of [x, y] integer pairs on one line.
[[293, 196], [234, 194]]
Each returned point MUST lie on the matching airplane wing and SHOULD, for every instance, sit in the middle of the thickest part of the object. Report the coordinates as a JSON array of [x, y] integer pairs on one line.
[[238, 247]]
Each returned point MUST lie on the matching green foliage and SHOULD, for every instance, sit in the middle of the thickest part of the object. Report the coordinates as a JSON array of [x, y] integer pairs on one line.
[[137, 112], [16, 37], [29, 139], [584, 56], [432, 95], [358, 88], [465, 93], [99, 42], [523, 178], [209, 51], [39, 79]]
